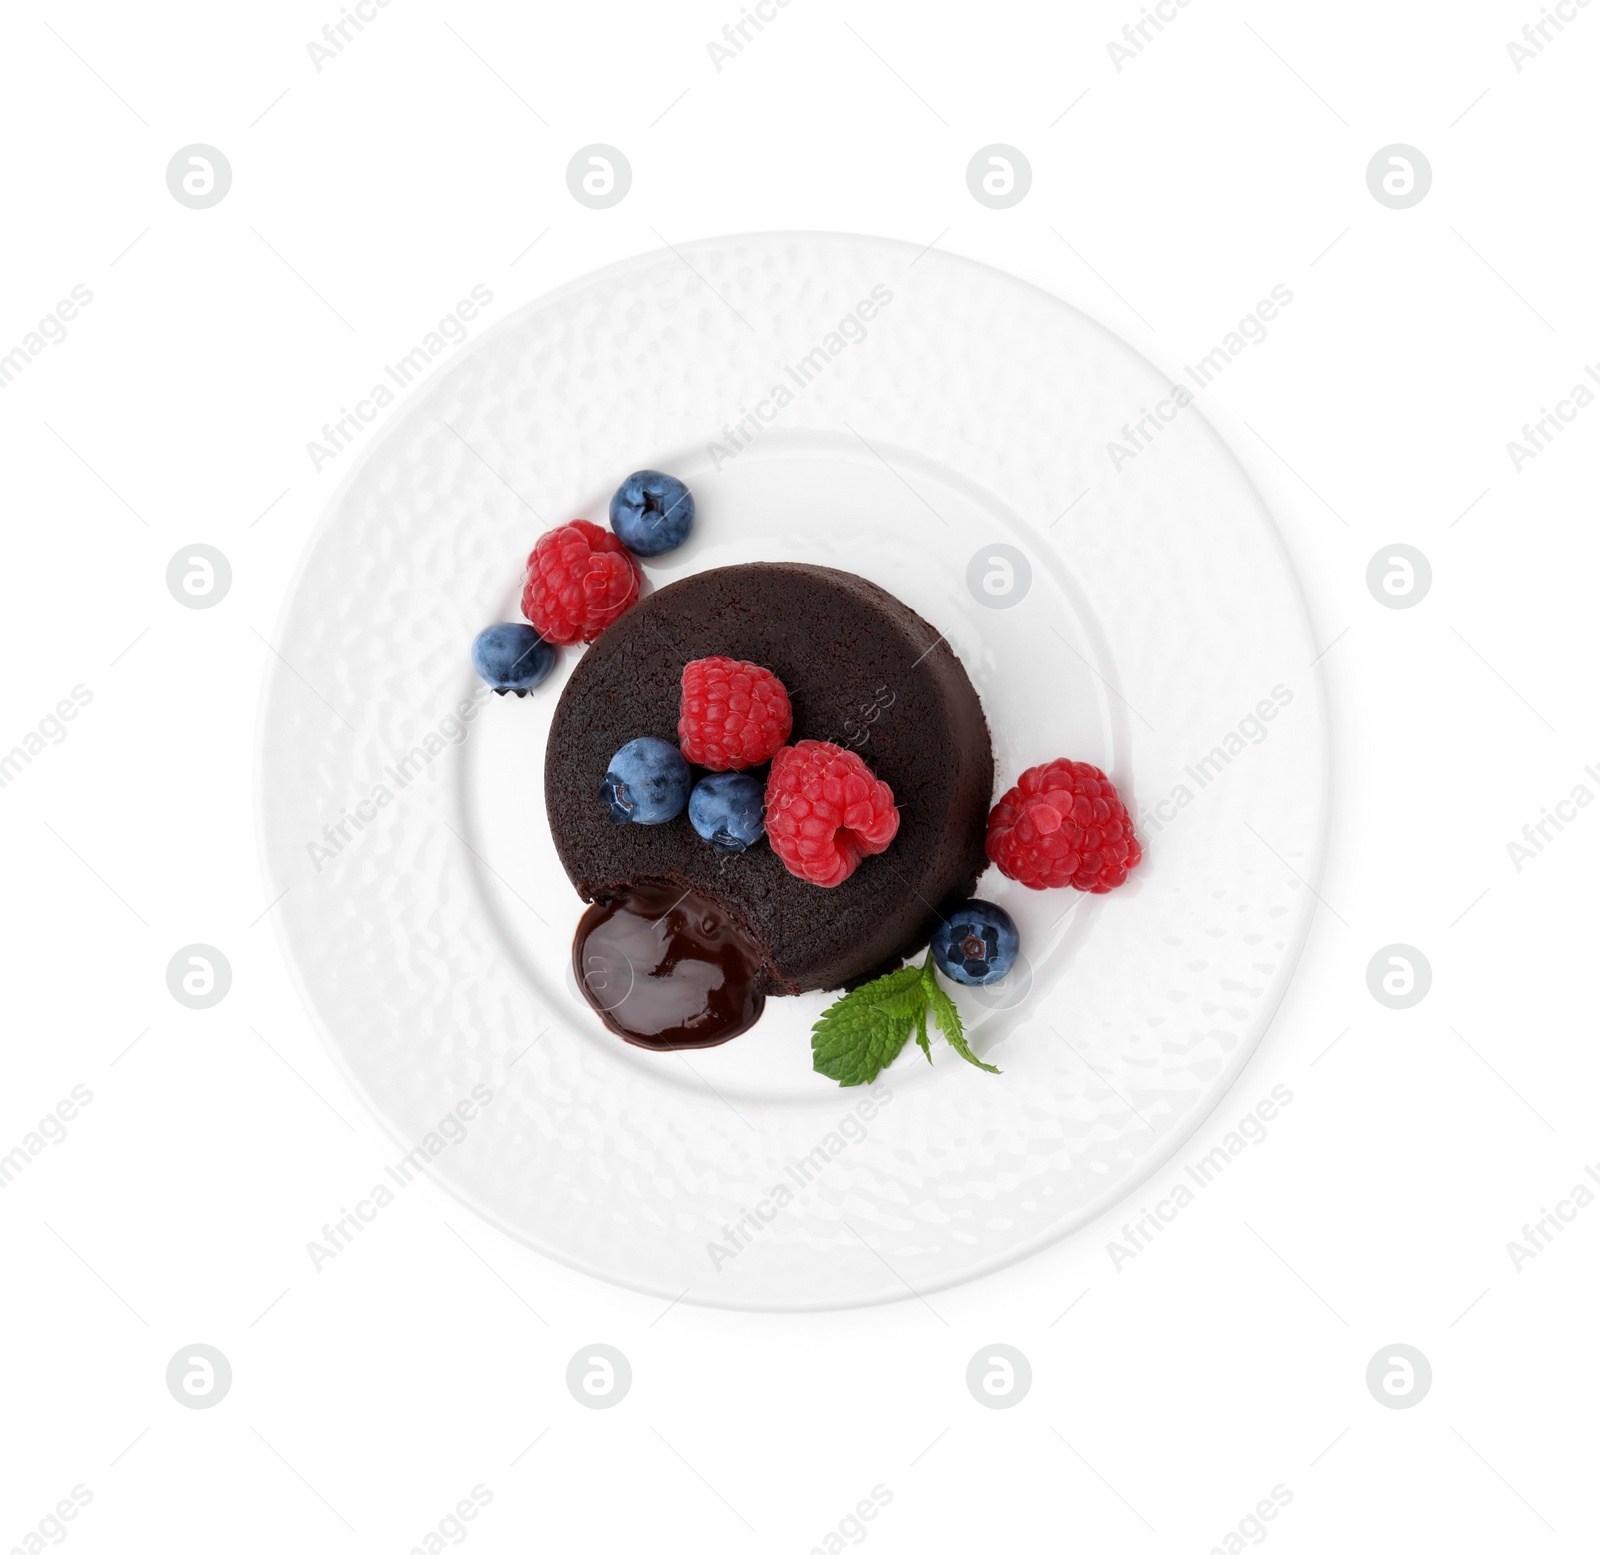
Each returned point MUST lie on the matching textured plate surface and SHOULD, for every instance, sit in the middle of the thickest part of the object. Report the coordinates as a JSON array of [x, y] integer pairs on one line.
[[942, 429]]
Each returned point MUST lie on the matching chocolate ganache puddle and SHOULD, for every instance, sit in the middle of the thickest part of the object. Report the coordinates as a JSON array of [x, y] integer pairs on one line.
[[665, 967]]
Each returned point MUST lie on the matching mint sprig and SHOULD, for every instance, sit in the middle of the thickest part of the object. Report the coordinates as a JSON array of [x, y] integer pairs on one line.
[[862, 1033]]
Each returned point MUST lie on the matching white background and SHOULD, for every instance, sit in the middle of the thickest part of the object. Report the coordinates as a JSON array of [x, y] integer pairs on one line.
[[1168, 1398]]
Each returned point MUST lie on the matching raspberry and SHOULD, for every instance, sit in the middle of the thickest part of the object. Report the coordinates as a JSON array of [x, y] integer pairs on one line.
[[580, 579], [826, 811], [1063, 824], [733, 715]]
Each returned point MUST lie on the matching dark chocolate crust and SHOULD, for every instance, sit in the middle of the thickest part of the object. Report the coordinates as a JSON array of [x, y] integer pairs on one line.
[[862, 670]]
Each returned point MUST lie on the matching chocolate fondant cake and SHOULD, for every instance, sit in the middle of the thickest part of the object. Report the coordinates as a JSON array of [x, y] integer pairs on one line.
[[863, 671]]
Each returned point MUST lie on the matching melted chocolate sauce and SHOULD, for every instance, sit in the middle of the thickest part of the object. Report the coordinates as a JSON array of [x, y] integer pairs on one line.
[[667, 968]]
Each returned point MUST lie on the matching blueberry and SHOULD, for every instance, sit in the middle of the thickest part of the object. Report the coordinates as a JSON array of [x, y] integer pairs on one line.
[[725, 808], [647, 782], [652, 513], [512, 657], [976, 944]]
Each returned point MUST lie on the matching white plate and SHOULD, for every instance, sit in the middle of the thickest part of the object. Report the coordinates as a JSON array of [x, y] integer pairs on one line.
[[430, 923]]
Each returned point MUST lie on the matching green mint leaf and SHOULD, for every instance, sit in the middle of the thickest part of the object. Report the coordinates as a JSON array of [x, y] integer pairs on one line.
[[948, 1018], [862, 1033], [922, 1031]]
